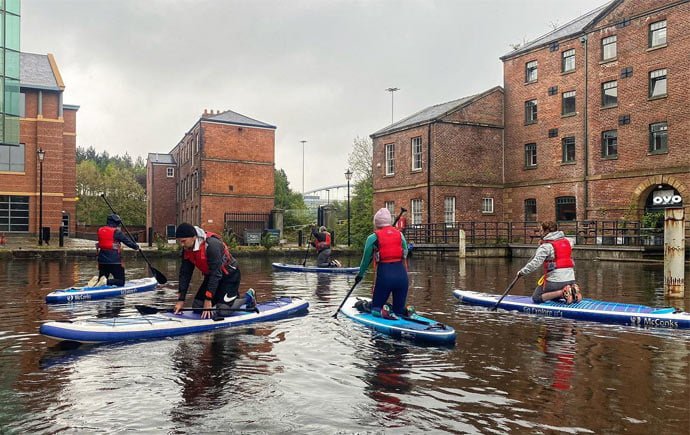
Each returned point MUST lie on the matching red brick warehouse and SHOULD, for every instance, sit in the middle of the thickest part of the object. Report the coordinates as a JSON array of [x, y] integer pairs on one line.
[[224, 163]]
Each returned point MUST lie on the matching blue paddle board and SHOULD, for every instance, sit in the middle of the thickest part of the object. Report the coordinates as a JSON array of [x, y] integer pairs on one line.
[[107, 291], [314, 269]]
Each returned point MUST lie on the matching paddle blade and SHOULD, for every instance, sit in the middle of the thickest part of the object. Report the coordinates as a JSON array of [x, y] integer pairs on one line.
[[145, 309], [158, 275]]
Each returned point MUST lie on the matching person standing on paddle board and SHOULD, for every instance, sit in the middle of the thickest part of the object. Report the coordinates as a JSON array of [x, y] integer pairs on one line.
[[110, 241], [554, 256], [388, 248], [207, 252], [322, 242]]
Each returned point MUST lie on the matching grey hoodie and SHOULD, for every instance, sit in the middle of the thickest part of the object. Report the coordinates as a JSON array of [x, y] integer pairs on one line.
[[546, 252]]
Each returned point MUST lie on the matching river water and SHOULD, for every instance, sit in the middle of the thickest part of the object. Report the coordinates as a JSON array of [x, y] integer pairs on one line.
[[507, 372]]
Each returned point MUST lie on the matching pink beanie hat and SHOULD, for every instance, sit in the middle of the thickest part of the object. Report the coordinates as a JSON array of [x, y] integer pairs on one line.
[[382, 218]]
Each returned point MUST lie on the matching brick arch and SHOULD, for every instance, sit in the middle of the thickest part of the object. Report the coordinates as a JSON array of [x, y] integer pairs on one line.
[[639, 195]]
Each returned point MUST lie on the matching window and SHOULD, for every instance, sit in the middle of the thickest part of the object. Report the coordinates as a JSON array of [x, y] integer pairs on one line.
[[14, 213], [553, 46], [624, 120], [170, 172], [530, 210], [390, 205], [530, 111], [609, 48], [553, 132], [12, 158], [449, 210], [609, 143], [568, 146], [416, 153], [568, 61], [609, 93], [658, 137], [568, 107], [531, 71], [531, 155], [487, 205], [626, 72], [657, 34], [170, 231], [657, 83], [197, 141], [566, 208], [553, 90], [416, 206], [390, 159]]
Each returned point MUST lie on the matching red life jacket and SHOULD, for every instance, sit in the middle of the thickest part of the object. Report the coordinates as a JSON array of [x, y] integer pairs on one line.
[[326, 244], [106, 239], [562, 255], [389, 245], [199, 259]]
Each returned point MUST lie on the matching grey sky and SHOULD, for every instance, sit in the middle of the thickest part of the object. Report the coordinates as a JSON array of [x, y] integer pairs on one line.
[[144, 70]]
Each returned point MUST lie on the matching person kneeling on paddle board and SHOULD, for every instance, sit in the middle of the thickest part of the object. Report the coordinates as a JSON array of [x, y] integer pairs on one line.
[[388, 247], [207, 252], [110, 241], [322, 242], [554, 255]]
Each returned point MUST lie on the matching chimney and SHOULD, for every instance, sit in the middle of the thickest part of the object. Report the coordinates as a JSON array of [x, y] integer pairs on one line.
[[205, 112]]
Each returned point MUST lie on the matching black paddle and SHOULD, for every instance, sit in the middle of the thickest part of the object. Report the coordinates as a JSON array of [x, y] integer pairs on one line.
[[147, 309], [156, 273], [306, 254], [402, 210], [505, 292]]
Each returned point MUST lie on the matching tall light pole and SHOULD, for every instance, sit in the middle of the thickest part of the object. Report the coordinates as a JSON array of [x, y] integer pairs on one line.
[[41, 156], [348, 176], [391, 90], [303, 142]]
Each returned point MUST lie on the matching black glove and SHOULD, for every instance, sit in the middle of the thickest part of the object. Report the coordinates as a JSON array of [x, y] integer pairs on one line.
[[137, 247], [357, 279]]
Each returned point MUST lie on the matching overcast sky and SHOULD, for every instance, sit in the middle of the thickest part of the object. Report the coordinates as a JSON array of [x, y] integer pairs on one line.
[[143, 71]]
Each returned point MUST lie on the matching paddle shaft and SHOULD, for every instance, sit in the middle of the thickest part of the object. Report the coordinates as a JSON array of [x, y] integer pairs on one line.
[[306, 254], [397, 218], [505, 292], [344, 300], [157, 274]]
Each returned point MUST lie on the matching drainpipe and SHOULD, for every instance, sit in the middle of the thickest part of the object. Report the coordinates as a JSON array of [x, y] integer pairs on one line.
[[585, 141], [428, 176]]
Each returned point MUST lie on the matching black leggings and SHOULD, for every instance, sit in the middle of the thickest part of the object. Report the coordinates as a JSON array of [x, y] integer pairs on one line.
[[116, 270], [226, 294]]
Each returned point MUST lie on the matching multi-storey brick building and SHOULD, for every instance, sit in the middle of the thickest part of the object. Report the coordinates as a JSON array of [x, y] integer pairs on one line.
[[223, 164], [443, 163], [597, 124]]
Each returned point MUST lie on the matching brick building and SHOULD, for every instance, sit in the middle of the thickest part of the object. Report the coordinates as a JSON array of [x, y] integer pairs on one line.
[[443, 163], [44, 123], [597, 125], [223, 164]]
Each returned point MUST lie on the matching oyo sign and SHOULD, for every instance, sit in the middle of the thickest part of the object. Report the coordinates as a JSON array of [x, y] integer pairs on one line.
[[666, 197]]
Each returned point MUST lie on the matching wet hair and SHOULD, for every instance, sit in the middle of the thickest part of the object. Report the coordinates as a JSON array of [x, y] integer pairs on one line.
[[549, 226]]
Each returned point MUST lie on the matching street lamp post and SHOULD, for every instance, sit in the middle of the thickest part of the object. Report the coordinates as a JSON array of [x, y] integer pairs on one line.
[[41, 156], [348, 176], [391, 90], [303, 141]]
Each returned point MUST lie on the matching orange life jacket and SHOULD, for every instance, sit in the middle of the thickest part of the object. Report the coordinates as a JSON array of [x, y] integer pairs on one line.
[[562, 255], [199, 259], [106, 239], [389, 245], [326, 244]]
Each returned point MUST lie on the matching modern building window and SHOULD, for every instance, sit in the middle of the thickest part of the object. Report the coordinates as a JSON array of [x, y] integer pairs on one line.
[[530, 210], [12, 158], [417, 153], [609, 143], [568, 106], [658, 137], [390, 159], [170, 172], [531, 155], [566, 209], [14, 213], [657, 83], [609, 48], [416, 210], [487, 205], [449, 210], [531, 71], [390, 205], [568, 61], [530, 111], [568, 147], [609, 93], [657, 34]]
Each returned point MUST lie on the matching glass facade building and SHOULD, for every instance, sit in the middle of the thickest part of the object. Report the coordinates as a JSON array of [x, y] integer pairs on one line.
[[9, 70]]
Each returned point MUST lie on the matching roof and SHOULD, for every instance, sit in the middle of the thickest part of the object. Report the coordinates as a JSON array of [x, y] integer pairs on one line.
[[574, 27], [161, 159], [36, 71], [231, 117], [430, 114]]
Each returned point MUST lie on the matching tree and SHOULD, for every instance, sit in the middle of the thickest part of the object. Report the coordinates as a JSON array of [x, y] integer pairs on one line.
[[361, 158], [361, 204], [285, 198]]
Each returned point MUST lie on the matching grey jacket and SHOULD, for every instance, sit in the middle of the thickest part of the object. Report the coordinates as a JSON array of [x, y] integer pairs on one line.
[[546, 252]]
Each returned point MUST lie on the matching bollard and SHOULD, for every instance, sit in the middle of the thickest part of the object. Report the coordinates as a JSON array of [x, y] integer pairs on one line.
[[674, 252], [461, 244]]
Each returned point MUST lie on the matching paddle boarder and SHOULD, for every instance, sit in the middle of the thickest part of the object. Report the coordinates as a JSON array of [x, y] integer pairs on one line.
[[554, 256], [321, 240], [207, 252], [388, 248], [109, 246]]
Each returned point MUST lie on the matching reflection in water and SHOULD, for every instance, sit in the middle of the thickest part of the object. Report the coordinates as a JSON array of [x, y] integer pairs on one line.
[[387, 378], [323, 285]]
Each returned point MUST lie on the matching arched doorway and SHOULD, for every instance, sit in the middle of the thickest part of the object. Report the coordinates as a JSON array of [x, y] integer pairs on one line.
[[658, 199]]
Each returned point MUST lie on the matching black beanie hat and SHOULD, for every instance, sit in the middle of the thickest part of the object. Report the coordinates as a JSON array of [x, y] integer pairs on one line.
[[185, 230]]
